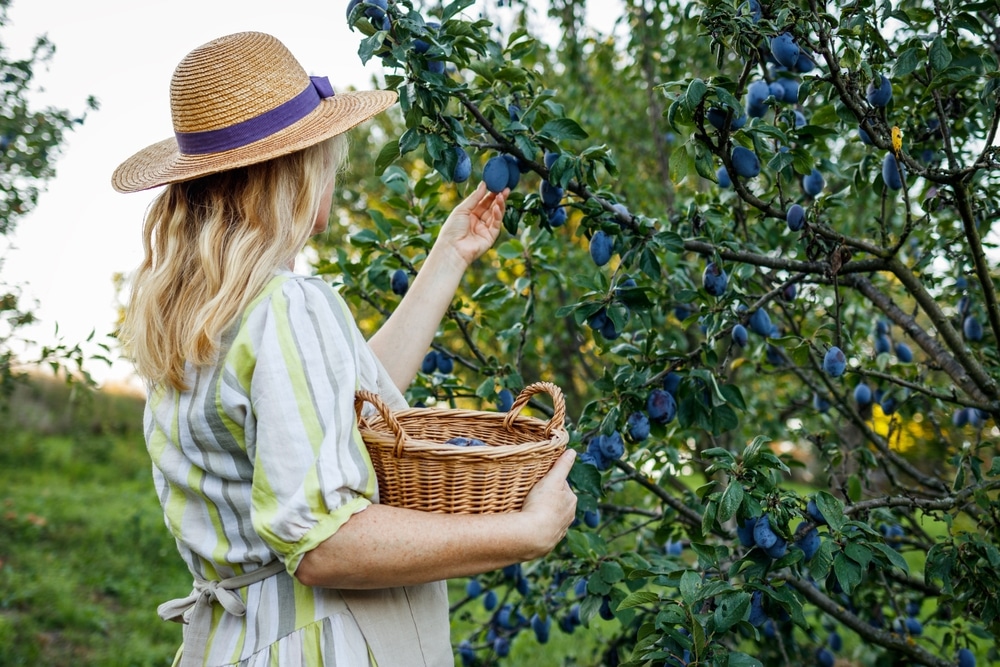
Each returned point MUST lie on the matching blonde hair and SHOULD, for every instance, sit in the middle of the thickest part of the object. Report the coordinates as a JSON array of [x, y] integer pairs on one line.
[[210, 245]]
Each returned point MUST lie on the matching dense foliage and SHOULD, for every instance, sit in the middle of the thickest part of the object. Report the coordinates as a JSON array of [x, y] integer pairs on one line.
[[755, 244]]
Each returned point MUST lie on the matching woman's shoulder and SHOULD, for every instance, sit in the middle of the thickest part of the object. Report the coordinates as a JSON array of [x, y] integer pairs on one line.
[[288, 284]]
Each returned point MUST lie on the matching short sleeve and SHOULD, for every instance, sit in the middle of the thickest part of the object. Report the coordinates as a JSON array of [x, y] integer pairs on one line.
[[311, 469]]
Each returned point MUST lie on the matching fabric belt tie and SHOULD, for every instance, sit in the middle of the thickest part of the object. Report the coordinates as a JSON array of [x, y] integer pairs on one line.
[[195, 610]]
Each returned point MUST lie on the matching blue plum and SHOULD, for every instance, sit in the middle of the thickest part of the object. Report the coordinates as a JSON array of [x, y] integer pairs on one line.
[[463, 163], [661, 406], [429, 364], [812, 511], [601, 245], [744, 531], [445, 363], [863, 394], [763, 535], [745, 162], [834, 362], [466, 653], [714, 279], [505, 400], [879, 91], [903, 352], [891, 172], [740, 336], [496, 173], [722, 175], [785, 50], [972, 329], [541, 628], [760, 322], [813, 183], [422, 45], [883, 345], [757, 613], [637, 426], [672, 382], [757, 93], [809, 542], [513, 170], [551, 194], [795, 217], [473, 588], [400, 282], [789, 90]]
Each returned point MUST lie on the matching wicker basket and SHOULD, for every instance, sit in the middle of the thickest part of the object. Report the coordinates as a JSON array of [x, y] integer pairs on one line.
[[417, 470]]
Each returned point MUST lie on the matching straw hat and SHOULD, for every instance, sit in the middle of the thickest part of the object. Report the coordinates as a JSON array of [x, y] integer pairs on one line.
[[242, 99]]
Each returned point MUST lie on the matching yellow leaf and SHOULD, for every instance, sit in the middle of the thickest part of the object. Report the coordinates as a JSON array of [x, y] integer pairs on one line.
[[897, 139]]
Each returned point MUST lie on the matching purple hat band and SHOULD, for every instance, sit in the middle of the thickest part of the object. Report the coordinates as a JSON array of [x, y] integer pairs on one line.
[[258, 127]]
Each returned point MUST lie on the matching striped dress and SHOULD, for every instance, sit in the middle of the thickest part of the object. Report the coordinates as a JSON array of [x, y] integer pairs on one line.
[[261, 456]]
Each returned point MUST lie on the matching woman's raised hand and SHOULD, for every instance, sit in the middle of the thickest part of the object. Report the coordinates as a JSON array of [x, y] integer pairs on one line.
[[474, 224]]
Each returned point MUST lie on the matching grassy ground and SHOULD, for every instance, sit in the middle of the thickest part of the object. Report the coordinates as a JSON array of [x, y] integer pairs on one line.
[[84, 555]]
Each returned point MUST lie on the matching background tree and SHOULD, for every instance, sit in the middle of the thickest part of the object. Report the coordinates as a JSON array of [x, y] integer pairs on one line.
[[753, 242], [30, 139]]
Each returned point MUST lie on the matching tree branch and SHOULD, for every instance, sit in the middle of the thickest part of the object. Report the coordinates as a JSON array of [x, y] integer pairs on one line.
[[884, 638]]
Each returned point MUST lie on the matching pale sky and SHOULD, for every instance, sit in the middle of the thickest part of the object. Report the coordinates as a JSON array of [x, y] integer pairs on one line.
[[123, 52]]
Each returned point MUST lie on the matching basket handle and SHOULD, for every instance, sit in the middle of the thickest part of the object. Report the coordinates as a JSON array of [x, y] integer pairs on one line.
[[558, 406], [363, 396]]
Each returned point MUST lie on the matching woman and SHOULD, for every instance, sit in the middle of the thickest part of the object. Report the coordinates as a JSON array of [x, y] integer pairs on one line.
[[251, 373]]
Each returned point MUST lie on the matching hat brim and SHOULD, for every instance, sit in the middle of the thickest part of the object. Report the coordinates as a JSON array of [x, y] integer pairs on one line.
[[162, 163]]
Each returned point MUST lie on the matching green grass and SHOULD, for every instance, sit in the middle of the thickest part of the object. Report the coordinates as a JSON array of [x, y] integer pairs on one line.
[[85, 555]]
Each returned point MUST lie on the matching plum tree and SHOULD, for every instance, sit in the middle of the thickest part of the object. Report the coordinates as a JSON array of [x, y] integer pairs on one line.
[[740, 426]]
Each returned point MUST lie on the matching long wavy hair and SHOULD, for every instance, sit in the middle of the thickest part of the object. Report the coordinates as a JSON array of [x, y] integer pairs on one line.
[[211, 245]]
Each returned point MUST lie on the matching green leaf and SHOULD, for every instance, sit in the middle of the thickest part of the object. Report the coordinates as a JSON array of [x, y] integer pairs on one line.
[[854, 490], [860, 554], [387, 155], [454, 8], [730, 609], [848, 572], [586, 478], [639, 598], [906, 62], [704, 163], [743, 660], [731, 500], [690, 583], [611, 572], [681, 162], [893, 556], [939, 55], [695, 92], [831, 509], [733, 395], [365, 237], [562, 128]]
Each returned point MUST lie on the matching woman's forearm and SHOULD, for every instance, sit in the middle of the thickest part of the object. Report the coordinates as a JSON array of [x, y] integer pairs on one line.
[[404, 339], [385, 546]]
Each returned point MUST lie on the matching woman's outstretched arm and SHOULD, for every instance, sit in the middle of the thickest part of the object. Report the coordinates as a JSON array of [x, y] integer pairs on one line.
[[469, 231]]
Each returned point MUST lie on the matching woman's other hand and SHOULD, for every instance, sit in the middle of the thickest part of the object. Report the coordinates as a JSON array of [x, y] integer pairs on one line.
[[550, 506], [474, 224]]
